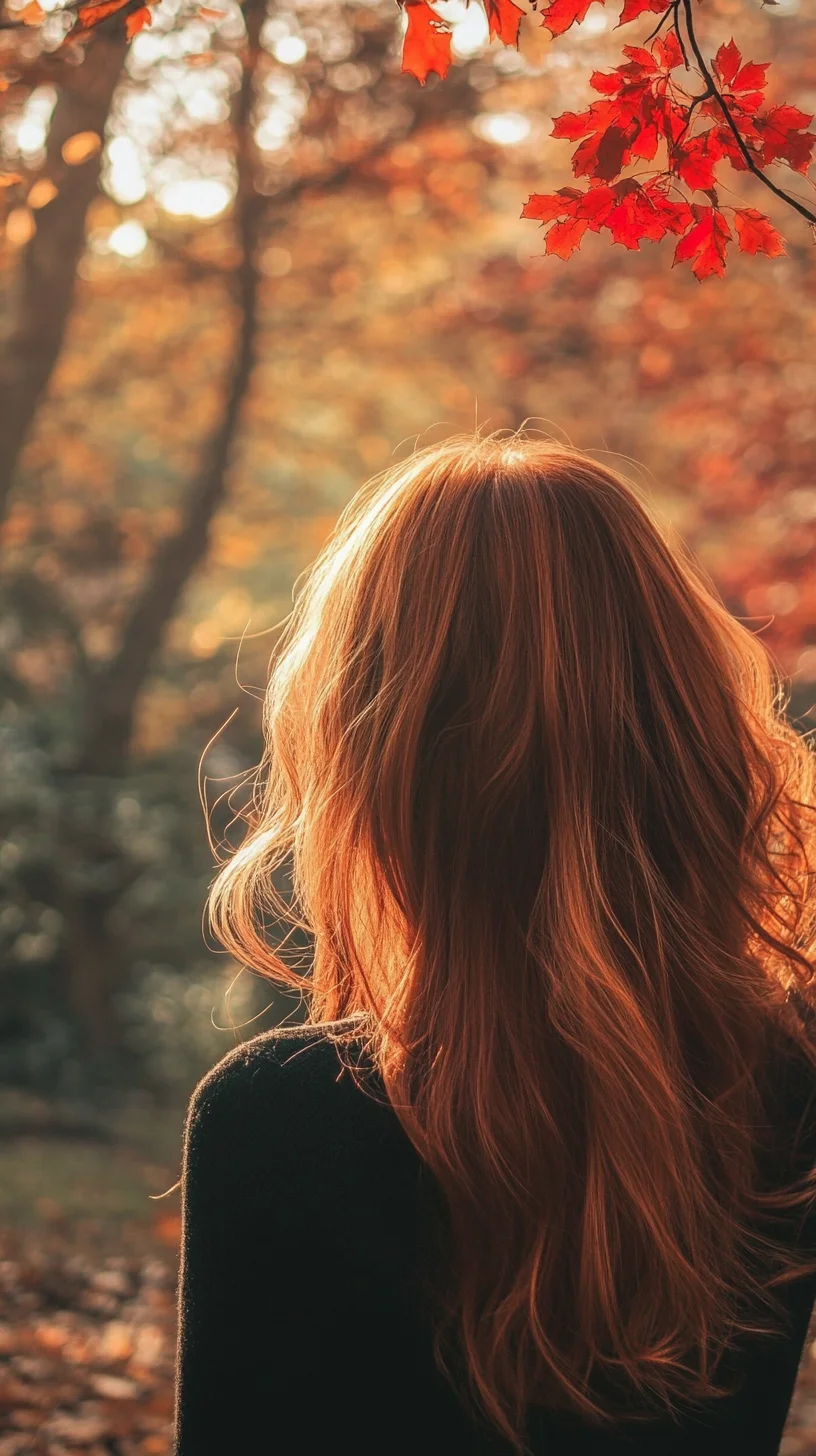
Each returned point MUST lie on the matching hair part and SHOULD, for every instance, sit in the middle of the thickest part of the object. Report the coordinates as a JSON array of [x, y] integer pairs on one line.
[[553, 835]]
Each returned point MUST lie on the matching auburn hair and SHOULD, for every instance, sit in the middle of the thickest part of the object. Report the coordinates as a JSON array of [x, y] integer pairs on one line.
[[553, 837]]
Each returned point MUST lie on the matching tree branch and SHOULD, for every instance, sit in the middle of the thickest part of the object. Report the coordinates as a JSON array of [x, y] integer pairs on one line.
[[670, 10], [46, 273]]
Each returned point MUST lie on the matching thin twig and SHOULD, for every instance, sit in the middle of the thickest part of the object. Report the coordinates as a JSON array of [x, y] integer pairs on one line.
[[704, 96], [661, 22], [750, 163], [679, 33]]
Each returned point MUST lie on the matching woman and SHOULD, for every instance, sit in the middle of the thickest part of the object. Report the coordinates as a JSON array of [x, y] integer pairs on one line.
[[536, 1174]]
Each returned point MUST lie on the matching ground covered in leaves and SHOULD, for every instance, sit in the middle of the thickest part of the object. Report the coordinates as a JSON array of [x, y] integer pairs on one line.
[[88, 1260], [86, 1348], [87, 1340]]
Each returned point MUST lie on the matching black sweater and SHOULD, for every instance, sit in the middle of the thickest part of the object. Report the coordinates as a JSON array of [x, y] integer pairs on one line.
[[301, 1331]]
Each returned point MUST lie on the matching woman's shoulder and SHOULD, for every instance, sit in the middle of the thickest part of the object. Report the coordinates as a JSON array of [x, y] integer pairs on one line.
[[296, 1117], [291, 1075]]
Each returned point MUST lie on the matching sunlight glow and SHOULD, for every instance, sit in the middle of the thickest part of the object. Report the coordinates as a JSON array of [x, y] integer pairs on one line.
[[287, 104], [596, 22], [201, 197], [145, 114], [203, 103], [274, 131], [504, 128], [146, 48], [27, 133], [289, 50], [470, 31], [125, 178], [129, 239]]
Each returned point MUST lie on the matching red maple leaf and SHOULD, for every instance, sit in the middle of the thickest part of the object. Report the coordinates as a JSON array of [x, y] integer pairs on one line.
[[561, 14], [675, 213], [504, 19], [564, 237], [607, 82], [667, 51], [641, 63], [633, 219], [742, 81], [750, 78], [742, 86], [545, 207], [727, 62], [427, 44], [136, 21], [705, 243], [572, 212], [785, 138], [644, 213], [750, 135], [590, 206], [90, 15], [756, 233], [695, 158], [633, 8]]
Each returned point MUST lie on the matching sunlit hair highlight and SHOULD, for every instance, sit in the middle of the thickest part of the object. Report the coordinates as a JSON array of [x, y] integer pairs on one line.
[[554, 838]]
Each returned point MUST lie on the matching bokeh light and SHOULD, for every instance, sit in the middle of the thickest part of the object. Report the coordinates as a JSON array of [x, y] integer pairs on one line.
[[289, 50], [129, 239], [200, 197], [505, 128]]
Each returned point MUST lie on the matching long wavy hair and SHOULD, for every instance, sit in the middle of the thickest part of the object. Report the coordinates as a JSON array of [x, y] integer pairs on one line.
[[553, 837]]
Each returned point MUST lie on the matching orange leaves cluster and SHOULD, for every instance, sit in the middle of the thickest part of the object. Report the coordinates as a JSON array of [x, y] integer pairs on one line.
[[643, 108], [631, 211], [778, 134], [136, 14], [31, 14], [704, 245], [559, 15], [637, 112], [427, 43], [135, 19], [657, 107], [640, 110]]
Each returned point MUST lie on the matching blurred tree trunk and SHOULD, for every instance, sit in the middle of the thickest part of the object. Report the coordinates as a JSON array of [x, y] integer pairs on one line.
[[44, 286], [114, 690], [95, 968], [94, 957]]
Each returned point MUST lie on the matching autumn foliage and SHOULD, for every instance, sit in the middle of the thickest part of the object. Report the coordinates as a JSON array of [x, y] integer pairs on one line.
[[134, 13], [650, 150]]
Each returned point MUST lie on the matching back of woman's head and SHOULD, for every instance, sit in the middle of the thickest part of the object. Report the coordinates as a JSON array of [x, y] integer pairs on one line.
[[551, 831]]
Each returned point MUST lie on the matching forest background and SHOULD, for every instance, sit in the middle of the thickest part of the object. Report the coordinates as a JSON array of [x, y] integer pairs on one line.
[[286, 263]]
